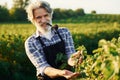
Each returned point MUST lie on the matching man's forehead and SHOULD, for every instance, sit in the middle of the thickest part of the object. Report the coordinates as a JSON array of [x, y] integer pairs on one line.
[[40, 11]]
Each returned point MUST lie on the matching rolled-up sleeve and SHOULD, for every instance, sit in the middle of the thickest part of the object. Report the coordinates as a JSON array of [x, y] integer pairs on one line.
[[36, 57]]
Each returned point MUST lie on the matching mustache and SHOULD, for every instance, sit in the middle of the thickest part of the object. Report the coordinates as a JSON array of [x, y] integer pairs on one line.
[[47, 23], [53, 27]]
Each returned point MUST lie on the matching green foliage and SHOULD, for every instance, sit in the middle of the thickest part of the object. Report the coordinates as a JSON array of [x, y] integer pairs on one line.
[[14, 64], [66, 13], [83, 54], [18, 14], [88, 18], [93, 12], [20, 3], [4, 14], [104, 64], [80, 12], [61, 58]]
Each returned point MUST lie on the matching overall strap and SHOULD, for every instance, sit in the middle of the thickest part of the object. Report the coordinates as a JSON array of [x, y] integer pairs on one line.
[[42, 43], [59, 35], [56, 29]]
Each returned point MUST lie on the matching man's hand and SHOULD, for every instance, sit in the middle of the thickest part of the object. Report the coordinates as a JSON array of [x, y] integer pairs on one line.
[[68, 74], [72, 60], [53, 73]]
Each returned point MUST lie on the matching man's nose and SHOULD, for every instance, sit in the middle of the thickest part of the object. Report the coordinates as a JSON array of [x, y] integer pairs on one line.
[[43, 20]]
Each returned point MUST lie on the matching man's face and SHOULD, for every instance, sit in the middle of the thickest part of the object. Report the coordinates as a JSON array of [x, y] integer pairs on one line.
[[41, 17]]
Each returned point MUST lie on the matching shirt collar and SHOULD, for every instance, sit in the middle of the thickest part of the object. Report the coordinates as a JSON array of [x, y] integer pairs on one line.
[[37, 34]]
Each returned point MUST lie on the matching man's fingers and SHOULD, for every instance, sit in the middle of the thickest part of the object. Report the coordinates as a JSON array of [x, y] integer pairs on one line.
[[76, 54], [80, 59], [73, 75]]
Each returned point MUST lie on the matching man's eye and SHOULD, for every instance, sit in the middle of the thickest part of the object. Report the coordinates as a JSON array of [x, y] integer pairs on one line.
[[38, 17], [46, 15]]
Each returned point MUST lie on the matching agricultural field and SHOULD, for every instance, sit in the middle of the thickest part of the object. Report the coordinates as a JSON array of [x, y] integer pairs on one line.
[[94, 39]]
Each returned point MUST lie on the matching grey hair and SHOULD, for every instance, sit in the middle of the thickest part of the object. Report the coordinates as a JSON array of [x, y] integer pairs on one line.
[[35, 5]]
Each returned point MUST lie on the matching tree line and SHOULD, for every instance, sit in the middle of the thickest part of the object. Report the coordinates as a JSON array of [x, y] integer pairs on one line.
[[17, 13]]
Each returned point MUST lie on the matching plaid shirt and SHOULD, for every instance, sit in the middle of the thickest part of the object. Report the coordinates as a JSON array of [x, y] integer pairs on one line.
[[35, 52]]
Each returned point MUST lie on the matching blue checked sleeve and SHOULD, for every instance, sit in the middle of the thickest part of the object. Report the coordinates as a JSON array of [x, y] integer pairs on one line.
[[69, 44], [36, 57]]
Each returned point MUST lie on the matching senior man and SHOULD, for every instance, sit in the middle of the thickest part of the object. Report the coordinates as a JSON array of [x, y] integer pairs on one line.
[[43, 46]]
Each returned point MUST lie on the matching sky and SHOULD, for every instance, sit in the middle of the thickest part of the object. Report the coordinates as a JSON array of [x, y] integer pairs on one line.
[[100, 6]]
